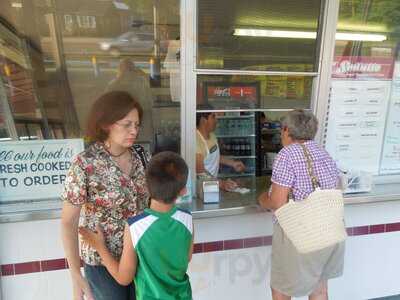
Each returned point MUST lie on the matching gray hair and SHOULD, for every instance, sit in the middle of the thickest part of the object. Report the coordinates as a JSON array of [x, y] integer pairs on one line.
[[301, 124]]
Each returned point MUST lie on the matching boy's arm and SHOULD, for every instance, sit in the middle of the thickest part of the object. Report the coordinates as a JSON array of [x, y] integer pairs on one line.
[[122, 271], [191, 247]]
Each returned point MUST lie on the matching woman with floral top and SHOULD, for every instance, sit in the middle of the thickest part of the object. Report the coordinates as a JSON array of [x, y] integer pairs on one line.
[[105, 185]]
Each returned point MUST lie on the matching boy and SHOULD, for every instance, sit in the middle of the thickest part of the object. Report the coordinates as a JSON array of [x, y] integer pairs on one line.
[[158, 244]]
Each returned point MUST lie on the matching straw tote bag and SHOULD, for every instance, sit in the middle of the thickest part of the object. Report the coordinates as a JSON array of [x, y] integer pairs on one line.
[[316, 222]]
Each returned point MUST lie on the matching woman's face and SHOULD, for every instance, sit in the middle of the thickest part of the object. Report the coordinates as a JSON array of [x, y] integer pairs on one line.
[[124, 132]]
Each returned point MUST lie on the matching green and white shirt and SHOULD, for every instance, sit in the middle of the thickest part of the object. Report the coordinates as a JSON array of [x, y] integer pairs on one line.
[[162, 242]]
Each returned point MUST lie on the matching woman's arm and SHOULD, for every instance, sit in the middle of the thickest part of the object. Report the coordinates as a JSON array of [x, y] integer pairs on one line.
[[122, 271], [69, 234], [191, 247], [276, 198]]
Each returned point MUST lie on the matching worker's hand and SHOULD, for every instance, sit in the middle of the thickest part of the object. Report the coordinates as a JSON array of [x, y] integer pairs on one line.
[[238, 166], [228, 185]]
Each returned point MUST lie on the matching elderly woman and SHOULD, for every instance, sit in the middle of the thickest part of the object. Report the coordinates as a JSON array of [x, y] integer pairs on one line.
[[292, 273], [105, 186]]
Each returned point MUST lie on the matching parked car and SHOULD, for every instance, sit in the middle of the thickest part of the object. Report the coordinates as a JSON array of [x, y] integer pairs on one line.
[[132, 43]]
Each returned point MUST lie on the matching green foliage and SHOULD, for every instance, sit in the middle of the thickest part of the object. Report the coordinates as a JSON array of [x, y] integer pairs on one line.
[[371, 11]]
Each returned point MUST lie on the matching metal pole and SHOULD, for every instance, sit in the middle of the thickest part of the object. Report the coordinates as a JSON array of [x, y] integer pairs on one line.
[[323, 81]]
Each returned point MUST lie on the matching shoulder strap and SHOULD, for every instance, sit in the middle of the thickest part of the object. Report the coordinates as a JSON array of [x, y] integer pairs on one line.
[[140, 151], [310, 169]]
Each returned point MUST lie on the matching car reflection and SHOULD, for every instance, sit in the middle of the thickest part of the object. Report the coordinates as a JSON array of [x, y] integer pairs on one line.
[[131, 42]]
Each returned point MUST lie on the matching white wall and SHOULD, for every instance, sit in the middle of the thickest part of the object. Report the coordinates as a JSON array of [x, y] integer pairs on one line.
[[372, 262], [33, 241]]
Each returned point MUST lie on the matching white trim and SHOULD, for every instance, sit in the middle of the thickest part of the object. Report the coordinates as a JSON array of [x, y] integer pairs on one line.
[[323, 84], [138, 228], [189, 18], [251, 72], [185, 219], [247, 110], [182, 66]]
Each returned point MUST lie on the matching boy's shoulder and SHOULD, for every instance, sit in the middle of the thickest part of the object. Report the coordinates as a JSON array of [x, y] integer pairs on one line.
[[139, 217], [185, 218], [178, 209]]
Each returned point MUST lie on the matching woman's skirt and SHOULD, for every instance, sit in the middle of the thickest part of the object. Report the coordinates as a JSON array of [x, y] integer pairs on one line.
[[295, 274]]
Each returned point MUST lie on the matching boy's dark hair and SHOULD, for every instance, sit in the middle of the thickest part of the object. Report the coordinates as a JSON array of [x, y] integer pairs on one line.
[[204, 115], [166, 176]]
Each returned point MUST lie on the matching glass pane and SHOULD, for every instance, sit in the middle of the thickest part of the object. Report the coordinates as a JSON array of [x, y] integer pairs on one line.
[[367, 29], [77, 50], [57, 57], [35, 132], [4, 135], [270, 35], [134, 47], [235, 148], [363, 131], [4, 108], [254, 92]]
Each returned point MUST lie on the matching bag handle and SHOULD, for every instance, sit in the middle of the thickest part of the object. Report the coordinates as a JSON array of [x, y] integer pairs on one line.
[[140, 151], [310, 169]]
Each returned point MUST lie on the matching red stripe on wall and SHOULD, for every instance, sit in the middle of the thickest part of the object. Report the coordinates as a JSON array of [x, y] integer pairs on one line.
[[214, 246]]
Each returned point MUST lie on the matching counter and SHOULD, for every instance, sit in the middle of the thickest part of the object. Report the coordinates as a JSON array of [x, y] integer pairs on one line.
[[232, 248], [230, 203]]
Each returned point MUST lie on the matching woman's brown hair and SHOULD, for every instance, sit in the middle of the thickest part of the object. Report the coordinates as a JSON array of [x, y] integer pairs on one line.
[[108, 109]]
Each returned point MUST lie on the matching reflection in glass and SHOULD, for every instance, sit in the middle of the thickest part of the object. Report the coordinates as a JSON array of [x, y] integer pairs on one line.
[[239, 91], [75, 50], [258, 35], [377, 27], [237, 149]]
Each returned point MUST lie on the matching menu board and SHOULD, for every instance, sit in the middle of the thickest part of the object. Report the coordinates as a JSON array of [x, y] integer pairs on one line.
[[390, 163], [356, 123]]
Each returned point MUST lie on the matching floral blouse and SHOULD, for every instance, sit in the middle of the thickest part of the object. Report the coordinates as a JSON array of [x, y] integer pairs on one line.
[[107, 195]]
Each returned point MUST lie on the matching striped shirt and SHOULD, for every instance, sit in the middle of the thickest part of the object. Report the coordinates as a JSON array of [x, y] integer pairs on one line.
[[162, 242]]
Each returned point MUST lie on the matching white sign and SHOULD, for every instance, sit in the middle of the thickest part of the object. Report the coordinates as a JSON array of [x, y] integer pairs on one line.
[[391, 147], [35, 169], [356, 123]]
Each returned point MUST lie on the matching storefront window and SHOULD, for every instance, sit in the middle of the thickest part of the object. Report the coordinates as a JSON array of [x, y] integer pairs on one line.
[[238, 116], [57, 57], [56, 62], [238, 132], [258, 35], [364, 115]]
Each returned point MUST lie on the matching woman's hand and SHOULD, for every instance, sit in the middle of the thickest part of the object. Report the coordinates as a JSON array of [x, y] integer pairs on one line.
[[81, 288], [94, 239], [69, 227]]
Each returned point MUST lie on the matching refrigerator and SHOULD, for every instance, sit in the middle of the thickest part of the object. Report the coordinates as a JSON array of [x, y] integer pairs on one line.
[[238, 130]]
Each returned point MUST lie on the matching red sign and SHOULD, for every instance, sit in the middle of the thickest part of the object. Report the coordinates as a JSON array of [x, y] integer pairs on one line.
[[234, 92], [362, 67]]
